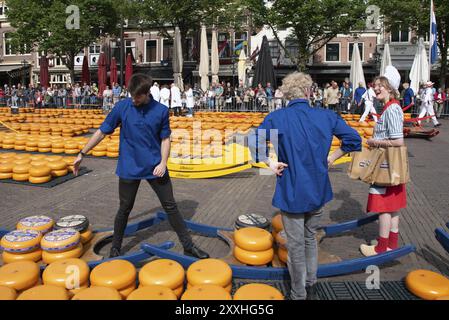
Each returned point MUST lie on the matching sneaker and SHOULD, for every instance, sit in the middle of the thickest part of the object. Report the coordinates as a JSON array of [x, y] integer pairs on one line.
[[114, 253], [367, 250], [437, 125]]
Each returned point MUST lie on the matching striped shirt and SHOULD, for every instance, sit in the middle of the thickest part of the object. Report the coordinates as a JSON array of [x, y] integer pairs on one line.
[[390, 124]]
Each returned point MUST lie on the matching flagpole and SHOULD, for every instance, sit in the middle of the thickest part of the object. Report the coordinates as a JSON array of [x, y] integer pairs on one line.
[[430, 39]]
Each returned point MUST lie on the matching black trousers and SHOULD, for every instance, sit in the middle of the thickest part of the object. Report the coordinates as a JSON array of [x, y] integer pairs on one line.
[[164, 191]]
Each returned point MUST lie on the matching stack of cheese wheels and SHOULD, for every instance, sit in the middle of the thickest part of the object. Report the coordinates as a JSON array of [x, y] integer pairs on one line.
[[117, 274], [44, 292], [60, 245], [152, 292], [163, 272], [20, 172], [43, 224], [279, 237], [98, 293], [112, 150], [69, 161], [6, 167], [78, 222], [7, 293], [100, 150], [253, 246], [70, 274], [427, 285], [21, 245], [58, 167], [258, 291], [20, 275], [39, 172], [206, 292], [210, 271]]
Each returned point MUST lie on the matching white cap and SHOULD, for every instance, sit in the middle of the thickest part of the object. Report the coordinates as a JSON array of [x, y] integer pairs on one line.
[[393, 76]]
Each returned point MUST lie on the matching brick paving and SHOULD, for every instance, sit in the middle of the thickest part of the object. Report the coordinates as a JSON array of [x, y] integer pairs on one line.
[[219, 201]]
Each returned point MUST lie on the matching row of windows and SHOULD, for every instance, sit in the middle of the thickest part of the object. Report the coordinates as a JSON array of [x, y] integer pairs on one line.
[[333, 52]]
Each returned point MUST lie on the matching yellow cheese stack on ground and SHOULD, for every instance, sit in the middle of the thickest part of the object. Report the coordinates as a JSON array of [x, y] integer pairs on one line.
[[39, 173], [210, 271], [34, 256], [253, 246], [50, 257], [21, 241], [20, 172], [118, 274], [153, 292], [7, 293], [257, 291], [19, 275], [98, 293], [87, 235], [44, 292], [206, 292], [70, 274], [58, 168], [163, 272], [61, 240], [43, 224], [427, 284], [228, 288], [6, 169]]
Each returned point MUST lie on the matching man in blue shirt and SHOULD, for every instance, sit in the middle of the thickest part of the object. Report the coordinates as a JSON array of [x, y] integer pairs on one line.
[[409, 95], [144, 151], [302, 136], [358, 93]]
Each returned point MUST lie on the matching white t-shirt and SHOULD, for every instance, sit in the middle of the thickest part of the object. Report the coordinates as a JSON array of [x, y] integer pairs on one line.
[[369, 96], [190, 103], [165, 97], [175, 97], [155, 92]]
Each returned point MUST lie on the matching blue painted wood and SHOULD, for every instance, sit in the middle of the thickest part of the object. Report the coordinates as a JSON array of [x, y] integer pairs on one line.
[[3, 232], [203, 229], [349, 225], [443, 237], [137, 226]]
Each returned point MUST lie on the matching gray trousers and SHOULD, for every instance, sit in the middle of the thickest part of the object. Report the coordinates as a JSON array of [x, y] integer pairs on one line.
[[302, 247]]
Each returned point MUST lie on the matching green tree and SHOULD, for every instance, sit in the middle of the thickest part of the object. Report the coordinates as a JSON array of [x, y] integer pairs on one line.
[[416, 15], [42, 24], [312, 23]]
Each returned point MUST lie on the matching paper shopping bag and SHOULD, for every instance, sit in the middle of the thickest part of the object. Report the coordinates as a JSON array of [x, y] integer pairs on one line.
[[392, 169], [361, 167]]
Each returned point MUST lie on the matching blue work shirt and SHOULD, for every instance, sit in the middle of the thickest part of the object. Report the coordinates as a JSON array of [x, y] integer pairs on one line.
[[142, 130], [408, 96], [359, 92], [303, 142]]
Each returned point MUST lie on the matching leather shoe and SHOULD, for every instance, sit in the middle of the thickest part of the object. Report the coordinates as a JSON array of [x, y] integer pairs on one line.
[[196, 252], [114, 253]]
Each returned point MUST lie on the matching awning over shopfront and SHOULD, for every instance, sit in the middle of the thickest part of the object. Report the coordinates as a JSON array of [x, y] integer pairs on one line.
[[13, 71]]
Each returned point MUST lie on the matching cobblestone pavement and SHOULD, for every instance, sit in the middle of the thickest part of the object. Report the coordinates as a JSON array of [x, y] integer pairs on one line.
[[219, 201]]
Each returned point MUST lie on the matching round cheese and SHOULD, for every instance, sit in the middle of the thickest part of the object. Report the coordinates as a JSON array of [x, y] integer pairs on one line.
[[112, 154], [427, 285], [162, 272], [99, 153], [77, 222], [20, 176], [38, 157], [19, 275], [98, 293], [117, 274], [21, 241], [39, 171], [4, 176], [42, 224], [34, 256], [44, 150], [81, 287], [153, 292], [281, 239], [87, 235], [59, 173], [253, 239], [21, 168], [57, 165], [38, 180], [283, 254], [50, 257], [7, 293], [257, 291], [209, 271], [62, 273], [127, 291], [276, 223], [206, 292], [60, 240], [254, 258], [228, 288], [44, 292]]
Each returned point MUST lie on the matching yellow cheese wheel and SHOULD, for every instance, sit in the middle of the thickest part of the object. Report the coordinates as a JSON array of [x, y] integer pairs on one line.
[[54, 158], [116, 274], [60, 240], [258, 291], [7, 155], [253, 239], [81, 287], [228, 288], [99, 153], [283, 254], [50, 257], [59, 173], [31, 149], [253, 258], [21, 241], [69, 160], [280, 240], [98, 293], [40, 223], [39, 171], [127, 291], [19, 162], [445, 298], [57, 165], [7, 293], [44, 144], [162, 272], [4, 176], [55, 150], [113, 148], [44, 292], [20, 275], [44, 150], [8, 146], [153, 292], [38, 180], [20, 176], [112, 154], [71, 151], [21, 168], [37, 157], [100, 148], [209, 271], [34, 256], [179, 291], [87, 235], [62, 273], [427, 284], [206, 292], [31, 144], [276, 223]]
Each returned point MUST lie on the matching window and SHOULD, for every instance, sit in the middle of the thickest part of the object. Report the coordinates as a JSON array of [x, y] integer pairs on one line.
[[224, 45], [130, 47], [332, 52], [94, 49], [351, 49], [59, 78], [275, 50], [292, 47], [190, 49], [241, 42], [399, 34], [3, 9], [167, 51], [11, 49], [150, 50]]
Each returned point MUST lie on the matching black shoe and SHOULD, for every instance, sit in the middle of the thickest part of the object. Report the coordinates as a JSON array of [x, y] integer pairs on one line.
[[437, 125], [196, 252], [312, 292], [114, 253]]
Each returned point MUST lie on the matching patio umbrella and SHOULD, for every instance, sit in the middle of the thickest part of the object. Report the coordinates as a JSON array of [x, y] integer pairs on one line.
[[85, 73], [113, 77], [215, 61], [242, 67], [178, 60], [43, 74], [204, 60], [264, 67], [102, 73], [420, 68], [129, 69], [386, 59], [356, 74]]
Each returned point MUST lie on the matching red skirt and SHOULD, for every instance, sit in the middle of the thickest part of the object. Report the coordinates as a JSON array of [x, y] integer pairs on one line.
[[387, 199]]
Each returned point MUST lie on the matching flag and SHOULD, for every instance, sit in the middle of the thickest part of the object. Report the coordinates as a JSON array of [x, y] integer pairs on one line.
[[433, 35], [222, 48]]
